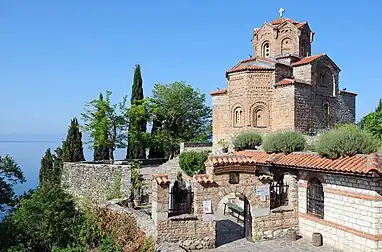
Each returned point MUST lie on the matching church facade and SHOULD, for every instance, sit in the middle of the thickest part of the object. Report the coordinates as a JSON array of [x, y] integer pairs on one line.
[[282, 87]]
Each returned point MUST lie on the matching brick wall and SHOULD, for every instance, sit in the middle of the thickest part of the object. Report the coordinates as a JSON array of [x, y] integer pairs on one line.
[[352, 213]]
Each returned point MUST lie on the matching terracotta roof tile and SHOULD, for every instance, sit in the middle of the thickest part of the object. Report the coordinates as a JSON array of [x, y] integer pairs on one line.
[[282, 20], [220, 91], [358, 164], [203, 178], [161, 178], [307, 60], [229, 159], [300, 25], [285, 81]]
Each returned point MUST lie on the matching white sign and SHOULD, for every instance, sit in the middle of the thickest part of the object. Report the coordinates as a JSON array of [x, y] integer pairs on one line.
[[263, 198], [207, 208], [262, 190]]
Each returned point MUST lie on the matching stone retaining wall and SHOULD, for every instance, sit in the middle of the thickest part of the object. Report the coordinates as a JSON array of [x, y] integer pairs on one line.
[[94, 181], [352, 212]]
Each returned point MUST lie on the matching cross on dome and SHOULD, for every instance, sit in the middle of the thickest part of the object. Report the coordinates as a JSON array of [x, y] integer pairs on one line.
[[281, 11]]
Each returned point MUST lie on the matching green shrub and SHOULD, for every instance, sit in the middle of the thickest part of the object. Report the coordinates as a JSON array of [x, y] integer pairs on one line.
[[346, 140], [116, 192], [286, 142], [192, 162], [247, 140]]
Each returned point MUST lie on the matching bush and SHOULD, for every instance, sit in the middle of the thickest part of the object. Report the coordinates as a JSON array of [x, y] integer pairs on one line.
[[346, 140], [286, 142], [192, 162], [247, 140]]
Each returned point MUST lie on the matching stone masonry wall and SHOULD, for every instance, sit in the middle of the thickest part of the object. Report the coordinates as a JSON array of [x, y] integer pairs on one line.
[[346, 107], [283, 108], [94, 181], [352, 212], [189, 231]]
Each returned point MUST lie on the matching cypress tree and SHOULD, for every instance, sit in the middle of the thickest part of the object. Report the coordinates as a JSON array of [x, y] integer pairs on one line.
[[100, 152], [72, 149], [136, 149], [57, 165], [46, 169]]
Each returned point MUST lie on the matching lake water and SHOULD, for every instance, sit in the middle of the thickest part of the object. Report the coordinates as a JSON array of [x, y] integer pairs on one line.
[[28, 156]]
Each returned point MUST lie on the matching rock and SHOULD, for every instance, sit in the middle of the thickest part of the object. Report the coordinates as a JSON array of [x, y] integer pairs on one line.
[[168, 247]]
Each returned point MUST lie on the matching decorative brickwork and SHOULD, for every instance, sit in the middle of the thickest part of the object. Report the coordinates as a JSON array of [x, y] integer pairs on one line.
[[297, 91]]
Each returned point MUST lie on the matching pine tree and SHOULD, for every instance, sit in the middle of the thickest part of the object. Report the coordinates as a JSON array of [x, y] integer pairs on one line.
[[72, 150], [136, 147], [100, 152], [46, 169]]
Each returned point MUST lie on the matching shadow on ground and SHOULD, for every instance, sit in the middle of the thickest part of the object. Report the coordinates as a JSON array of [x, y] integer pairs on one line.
[[228, 231]]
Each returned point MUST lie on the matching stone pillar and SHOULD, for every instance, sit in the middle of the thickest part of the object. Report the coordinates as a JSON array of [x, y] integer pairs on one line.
[[160, 201], [292, 181]]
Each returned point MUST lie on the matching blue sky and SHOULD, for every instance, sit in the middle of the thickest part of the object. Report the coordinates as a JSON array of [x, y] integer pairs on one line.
[[57, 55]]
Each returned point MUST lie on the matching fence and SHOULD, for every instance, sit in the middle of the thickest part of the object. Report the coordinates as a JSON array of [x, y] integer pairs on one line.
[[180, 201], [279, 194]]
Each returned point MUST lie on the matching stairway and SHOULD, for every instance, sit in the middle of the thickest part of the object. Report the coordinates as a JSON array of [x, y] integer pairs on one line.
[[170, 168]]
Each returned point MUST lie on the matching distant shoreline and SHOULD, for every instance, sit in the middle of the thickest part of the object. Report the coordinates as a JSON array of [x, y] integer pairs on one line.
[[29, 141]]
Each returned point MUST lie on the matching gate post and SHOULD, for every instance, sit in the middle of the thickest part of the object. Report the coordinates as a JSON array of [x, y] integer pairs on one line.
[[160, 200]]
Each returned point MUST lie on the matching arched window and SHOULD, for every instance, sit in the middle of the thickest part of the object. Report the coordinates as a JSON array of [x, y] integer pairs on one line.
[[238, 116], [286, 46], [260, 117], [315, 198], [266, 50]]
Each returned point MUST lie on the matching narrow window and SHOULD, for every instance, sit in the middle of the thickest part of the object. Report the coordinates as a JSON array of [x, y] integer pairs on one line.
[[315, 198], [278, 194], [266, 50], [326, 114], [238, 117]]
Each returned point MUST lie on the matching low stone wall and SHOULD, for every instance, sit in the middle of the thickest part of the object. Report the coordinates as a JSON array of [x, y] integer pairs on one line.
[[187, 231], [352, 212], [195, 147], [94, 181]]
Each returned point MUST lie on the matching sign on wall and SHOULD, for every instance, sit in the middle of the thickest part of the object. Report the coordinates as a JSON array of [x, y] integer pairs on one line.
[[207, 207], [262, 190]]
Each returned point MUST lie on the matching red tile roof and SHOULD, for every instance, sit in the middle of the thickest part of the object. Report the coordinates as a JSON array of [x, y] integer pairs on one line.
[[358, 164], [220, 91], [307, 60], [244, 68], [161, 178], [285, 81], [282, 20], [203, 178], [230, 159]]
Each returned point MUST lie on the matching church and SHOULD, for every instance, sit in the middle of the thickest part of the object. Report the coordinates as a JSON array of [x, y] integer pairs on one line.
[[282, 87]]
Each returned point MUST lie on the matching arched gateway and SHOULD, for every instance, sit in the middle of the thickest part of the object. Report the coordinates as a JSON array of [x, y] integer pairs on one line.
[[261, 199]]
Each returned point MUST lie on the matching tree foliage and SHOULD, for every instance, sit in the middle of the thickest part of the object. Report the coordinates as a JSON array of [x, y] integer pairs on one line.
[[106, 123], [181, 115], [137, 119], [45, 220], [10, 174], [247, 140], [192, 162], [72, 147], [372, 122], [286, 142], [51, 167], [346, 140]]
